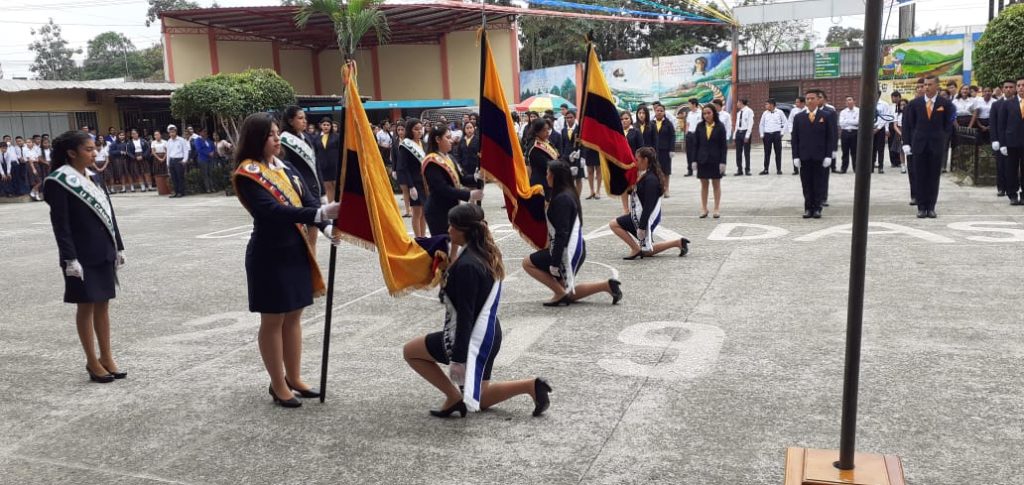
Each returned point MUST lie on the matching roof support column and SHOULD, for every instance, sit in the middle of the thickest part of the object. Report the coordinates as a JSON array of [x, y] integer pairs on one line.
[[446, 88], [375, 60], [317, 87], [211, 35], [275, 50], [514, 44]]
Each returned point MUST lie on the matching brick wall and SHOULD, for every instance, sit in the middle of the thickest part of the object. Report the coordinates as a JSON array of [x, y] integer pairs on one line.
[[836, 89]]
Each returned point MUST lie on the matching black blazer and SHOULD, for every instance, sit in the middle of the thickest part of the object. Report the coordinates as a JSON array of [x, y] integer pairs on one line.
[[635, 139], [647, 137], [919, 131], [814, 141], [561, 214], [713, 151], [325, 157], [79, 232], [568, 145], [993, 120], [1011, 125], [131, 149], [467, 155], [665, 138], [648, 189], [313, 181], [411, 168], [273, 223], [467, 284]]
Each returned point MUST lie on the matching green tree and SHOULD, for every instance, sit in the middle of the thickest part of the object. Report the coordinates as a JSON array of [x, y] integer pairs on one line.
[[53, 60], [839, 36], [352, 20], [112, 55], [775, 36], [157, 6], [936, 30], [997, 55], [229, 98]]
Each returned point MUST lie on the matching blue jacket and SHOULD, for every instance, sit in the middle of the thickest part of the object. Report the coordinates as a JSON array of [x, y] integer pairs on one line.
[[814, 141]]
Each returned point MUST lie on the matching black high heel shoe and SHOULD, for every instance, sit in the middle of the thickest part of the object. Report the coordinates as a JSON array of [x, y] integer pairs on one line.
[[310, 393], [119, 374], [639, 255], [459, 407], [684, 247], [541, 388], [101, 379], [563, 301], [290, 403], [615, 285]]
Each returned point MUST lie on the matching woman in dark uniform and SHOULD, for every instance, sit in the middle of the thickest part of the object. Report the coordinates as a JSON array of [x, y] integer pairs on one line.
[[540, 153], [557, 265], [298, 151], [468, 153], [90, 247], [471, 337], [118, 159], [637, 227], [636, 141], [443, 181], [711, 148], [398, 173], [645, 126], [410, 165], [327, 147], [280, 266]]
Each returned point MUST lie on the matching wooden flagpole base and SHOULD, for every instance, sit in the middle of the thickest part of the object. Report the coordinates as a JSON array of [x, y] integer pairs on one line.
[[807, 466]]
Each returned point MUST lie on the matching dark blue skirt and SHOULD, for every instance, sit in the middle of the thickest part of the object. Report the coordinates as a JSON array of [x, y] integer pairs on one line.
[[98, 286], [279, 278]]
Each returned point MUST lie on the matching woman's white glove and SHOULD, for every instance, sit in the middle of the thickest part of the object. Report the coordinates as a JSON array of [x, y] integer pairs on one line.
[[995, 146], [413, 194], [796, 162], [73, 269], [479, 177], [555, 271], [121, 259], [457, 372], [906, 149], [329, 211], [641, 234], [328, 232], [574, 169], [827, 162], [721, 168], [693, 166], [323, 200], [1004, 151], [575, 155], [476, 194]]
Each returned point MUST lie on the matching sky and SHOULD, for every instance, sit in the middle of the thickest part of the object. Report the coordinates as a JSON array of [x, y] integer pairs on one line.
[[80, 23]]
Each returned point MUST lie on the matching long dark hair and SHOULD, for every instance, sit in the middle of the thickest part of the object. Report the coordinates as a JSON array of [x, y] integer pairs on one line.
[[68, 141], [714, 111], [531, 132], [409, 125], [436, 133], [652, 164], [286, 122], [253, 137], [647, 114], [469, 218], [563, 181]]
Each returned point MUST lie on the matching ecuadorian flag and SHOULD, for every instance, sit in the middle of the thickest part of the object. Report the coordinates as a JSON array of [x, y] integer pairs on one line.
[[501, 157], [601, 130], [369, 215]]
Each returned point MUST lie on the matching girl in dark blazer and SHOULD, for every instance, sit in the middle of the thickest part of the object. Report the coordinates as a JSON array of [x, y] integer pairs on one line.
[[327, 147], [136, 156], [471, 337], [556, 266], [443, 181], [117, 158], [540, 152], [396, 169], [711, 147], [410, 172], [636, 228], [280, 267], [297, 149], [467, 153], [90, 247], [636, 141], [643, 125]]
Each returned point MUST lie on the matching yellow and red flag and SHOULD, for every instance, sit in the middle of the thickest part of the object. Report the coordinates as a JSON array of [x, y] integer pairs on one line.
[[601, 129], [369, 215], [501, 157]]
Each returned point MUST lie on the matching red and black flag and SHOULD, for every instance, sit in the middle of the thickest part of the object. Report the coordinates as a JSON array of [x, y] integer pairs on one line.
[[601, 129], [501, 157]]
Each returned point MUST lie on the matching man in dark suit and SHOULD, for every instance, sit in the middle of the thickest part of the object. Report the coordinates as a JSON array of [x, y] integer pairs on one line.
[[664, 141], [1010, 134], [926, 128], [814, 134], [831, 110], [570, 134], [1008, 88]]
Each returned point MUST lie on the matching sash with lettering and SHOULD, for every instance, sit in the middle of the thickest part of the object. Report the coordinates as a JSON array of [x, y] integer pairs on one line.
[[299, 146], [481, 342], [636, 211], [445, 163], [414, 149], [66, 176], [285, 190]]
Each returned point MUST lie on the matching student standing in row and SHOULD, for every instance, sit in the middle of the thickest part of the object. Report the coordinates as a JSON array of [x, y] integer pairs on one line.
[[327, 149], [849, 120], [772, 122], [444, 184], [883, 116], [799, 106], [814, 134], [1011, 140], [410, 165], [1001, 177], [644, 125], [710, 149], [744, 128], [664, 143], [927, 123], [177, 159], [692, 119], [297, 150], [90, 247], [540, 154]]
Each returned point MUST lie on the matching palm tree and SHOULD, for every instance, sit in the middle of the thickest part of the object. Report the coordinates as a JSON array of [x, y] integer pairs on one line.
[[352, 19]]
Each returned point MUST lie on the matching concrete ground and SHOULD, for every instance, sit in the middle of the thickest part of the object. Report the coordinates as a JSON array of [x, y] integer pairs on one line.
[[711, 366]]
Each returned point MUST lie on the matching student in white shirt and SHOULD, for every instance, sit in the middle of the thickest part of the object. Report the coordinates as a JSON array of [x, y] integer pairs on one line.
[[849, 119], [883, 116], [744, 128], [982, 113], [799, 106], [693, 117], [158, 147], [177, 159], [772, 122], [30, 157], [724, 117]]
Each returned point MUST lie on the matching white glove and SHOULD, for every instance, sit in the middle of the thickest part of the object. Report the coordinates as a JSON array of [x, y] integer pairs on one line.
[[1004, 151], [641, 234], [74, 269], [323, 200], [328, 232], [693, 166], [995, 146], [827, 162], [394, 175], [457, 372], [574, 169], [575, 155], [721, 168], [121, 259], [478, 176], [476, 194], [555, 271], [796, 162], [413, 194], [747, 138], [329, 211], [906, 149]]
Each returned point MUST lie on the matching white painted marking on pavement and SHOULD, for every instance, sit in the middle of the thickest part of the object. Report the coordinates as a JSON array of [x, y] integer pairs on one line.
[[1017, 235], [226, 233], [723, 232], [698, 351], [887, 229]]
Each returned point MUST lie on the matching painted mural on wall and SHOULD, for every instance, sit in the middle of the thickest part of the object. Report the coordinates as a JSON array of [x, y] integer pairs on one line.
[[558, 80], [672, 80], [904, 63]]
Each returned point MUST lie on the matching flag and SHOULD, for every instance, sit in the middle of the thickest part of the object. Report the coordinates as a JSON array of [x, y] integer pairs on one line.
[[501, 157], [601, 129], [369, 215]]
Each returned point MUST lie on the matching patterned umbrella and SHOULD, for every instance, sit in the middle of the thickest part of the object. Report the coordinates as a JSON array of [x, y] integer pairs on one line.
[[543, 102]]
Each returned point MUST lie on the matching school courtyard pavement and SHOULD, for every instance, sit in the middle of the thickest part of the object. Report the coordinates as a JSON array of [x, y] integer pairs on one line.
[[710, 367]]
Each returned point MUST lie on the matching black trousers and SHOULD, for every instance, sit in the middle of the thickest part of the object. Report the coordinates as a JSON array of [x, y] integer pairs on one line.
[[691, 152], [742, 150], [812, 180], [849, 141], [1013, 164], [178, 175], [773, 141], [878, 151], [910, 175], [927, 170]]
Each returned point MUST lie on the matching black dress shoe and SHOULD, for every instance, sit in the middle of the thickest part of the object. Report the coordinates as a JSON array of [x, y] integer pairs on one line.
[[880, 172], [816, 214], [290, 403], [616, 287], [101, 379], [763, 172], [541, 388], [684, 247], [778, 172], [932, 215], [1016, 202], [922, 214], [796, 172], [807, 214], [688, 175], [459, 407], [310, 393], [737, 174], [1001, 193], [824, 203], [748, 172], [563, 301]]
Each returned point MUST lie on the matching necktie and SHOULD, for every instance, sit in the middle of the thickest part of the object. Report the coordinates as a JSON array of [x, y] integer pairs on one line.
[[811, 116], [928, 108], [1022, 108], [323, 140], [570, 130]]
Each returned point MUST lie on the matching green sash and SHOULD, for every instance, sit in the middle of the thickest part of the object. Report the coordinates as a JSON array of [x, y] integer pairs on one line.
[[86, 191], [299, 146]]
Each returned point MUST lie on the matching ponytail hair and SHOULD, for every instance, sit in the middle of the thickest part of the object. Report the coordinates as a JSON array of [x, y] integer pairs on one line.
[[69, 141], [653, 166], [469, 218]]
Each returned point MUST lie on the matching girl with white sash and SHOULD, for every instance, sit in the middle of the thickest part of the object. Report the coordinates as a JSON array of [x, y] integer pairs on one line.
[[471, 337], [637, 227], [410, 165], [90, 247], [557, 265], [298, 150]]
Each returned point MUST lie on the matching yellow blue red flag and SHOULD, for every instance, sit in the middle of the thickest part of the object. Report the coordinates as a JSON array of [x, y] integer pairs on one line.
[[601, 129]]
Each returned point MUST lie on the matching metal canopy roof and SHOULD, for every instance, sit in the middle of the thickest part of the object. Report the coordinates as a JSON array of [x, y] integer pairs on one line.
[[19, 85], [411, 21]]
